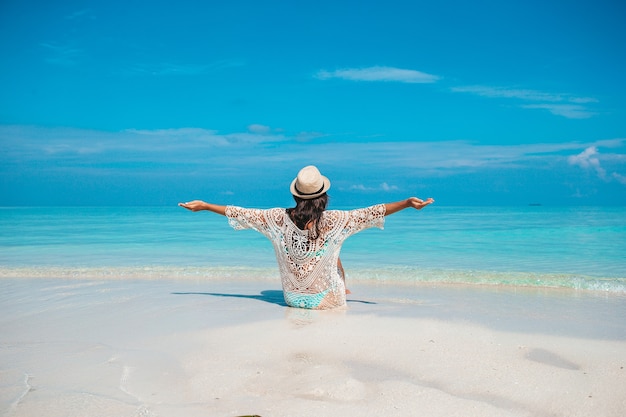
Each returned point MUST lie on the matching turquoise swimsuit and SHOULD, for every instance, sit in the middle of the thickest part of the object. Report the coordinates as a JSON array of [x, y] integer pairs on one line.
[[311, 301]]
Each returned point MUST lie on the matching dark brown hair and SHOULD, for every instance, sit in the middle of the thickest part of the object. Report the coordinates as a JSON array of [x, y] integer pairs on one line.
[[309, 210]]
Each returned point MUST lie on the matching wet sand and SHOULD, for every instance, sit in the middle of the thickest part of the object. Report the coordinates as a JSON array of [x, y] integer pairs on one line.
[[196, 348]]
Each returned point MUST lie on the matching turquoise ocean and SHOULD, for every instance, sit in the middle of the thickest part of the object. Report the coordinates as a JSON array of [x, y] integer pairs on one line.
[[535, 246]]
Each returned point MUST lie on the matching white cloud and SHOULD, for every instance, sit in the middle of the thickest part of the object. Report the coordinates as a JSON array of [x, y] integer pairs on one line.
[[209, 152], [501, 92], [181, 137], [185, 131], [569, 106], [309, 136], [571, 111], [80, 14], [583, 100], [589, 159], [386, 187], [619, 177], [382, 187], [62, 54], [256, 128], [521, 94], [379, 74]]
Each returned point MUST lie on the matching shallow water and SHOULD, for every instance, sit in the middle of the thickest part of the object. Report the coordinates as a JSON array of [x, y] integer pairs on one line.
[[574, 247]]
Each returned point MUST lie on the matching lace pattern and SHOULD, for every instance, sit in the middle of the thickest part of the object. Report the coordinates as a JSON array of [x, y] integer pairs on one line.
[[308, 268]]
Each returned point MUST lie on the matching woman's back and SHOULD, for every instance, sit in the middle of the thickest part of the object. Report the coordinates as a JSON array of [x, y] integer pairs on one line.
[[308, 264]]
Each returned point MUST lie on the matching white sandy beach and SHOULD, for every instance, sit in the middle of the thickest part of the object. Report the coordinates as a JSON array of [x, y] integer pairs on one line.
[[198, 348]]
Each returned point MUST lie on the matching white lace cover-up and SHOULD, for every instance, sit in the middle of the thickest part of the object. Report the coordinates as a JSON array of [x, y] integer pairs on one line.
[[308, 268]]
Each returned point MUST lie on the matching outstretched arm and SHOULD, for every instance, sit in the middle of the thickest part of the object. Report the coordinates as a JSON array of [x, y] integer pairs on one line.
[[414, 202], [199, 205]]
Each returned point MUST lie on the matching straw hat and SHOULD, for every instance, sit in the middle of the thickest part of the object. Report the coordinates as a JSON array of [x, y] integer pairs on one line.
[[309, 183]]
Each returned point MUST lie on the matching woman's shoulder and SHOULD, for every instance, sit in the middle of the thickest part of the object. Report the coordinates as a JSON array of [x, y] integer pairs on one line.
[[376, 208], [276, 212], [332, 216], [357, 214]]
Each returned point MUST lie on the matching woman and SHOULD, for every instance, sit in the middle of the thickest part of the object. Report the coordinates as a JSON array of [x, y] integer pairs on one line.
[[307, 238]]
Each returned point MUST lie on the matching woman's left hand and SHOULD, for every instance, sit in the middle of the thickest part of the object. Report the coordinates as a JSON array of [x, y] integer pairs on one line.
[[418, 203]]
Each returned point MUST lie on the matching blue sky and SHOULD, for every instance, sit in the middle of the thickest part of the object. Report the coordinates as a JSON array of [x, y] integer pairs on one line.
[[155, 102]]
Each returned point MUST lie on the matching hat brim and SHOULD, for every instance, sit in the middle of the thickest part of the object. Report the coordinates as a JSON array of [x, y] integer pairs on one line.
[[310, 196]]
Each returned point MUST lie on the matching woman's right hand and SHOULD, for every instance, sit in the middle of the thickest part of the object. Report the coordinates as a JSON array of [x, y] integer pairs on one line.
[[195, 205]]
